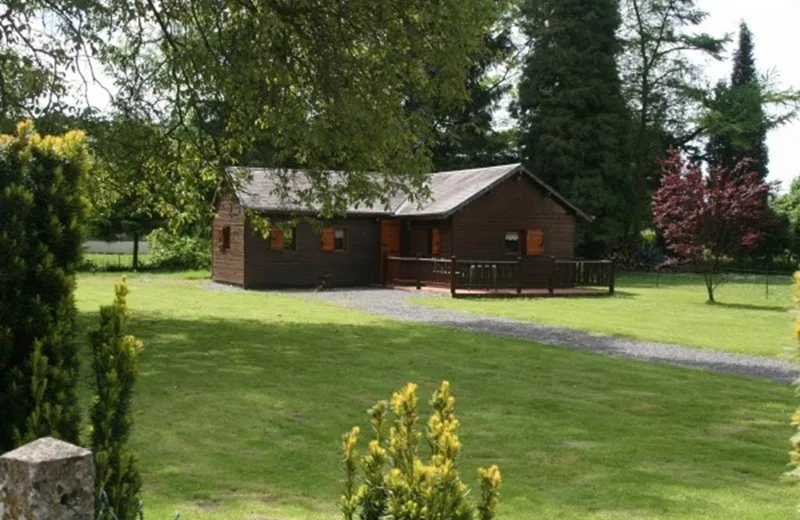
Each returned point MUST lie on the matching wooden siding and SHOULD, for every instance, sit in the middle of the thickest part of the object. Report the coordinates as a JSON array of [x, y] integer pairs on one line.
[[515, 205], [308, 265], [228, 266], [419, 233]]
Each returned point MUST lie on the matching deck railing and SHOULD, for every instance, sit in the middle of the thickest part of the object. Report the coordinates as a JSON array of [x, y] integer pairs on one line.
[[582, 273], [494, 275]]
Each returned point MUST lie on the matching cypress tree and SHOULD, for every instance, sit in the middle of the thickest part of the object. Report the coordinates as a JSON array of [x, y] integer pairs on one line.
[[115, 362], [572, 115], [41, 216], [738, 125]]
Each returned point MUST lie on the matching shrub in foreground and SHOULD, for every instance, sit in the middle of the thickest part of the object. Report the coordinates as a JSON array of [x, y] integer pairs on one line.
[[115, 362], [41, 216], [396, 483]]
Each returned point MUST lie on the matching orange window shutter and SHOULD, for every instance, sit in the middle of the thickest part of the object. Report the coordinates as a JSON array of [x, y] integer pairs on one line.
[[327, 239], [436, 242], [534, 242], [276, 239]]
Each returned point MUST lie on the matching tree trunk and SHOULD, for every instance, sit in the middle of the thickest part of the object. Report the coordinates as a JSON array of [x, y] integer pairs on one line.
[[709, 278], [135, 251]]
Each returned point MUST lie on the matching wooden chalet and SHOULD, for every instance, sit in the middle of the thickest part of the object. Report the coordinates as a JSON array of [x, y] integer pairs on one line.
[[497, 230]]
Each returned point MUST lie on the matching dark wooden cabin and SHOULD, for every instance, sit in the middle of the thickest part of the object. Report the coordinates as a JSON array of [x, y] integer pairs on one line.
[[498, 220]]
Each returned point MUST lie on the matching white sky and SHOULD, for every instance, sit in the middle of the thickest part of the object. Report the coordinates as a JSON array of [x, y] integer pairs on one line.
[[777, 44]]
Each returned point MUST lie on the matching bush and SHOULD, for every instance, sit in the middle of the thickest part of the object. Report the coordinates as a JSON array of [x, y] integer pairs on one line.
[[174, 252], [396, 482], [114, 359], [42, 211]]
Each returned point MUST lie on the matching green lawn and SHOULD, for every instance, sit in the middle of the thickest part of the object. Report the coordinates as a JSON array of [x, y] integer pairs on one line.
[[243, 398], [672, 309]]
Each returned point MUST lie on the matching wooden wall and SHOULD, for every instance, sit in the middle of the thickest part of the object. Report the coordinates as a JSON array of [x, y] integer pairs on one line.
[[308, 265], [418, 237], [228, 266], [517, 204]]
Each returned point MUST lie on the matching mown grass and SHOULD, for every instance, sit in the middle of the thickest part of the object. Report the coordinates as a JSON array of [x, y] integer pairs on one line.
[[243, 398], [669, 309]]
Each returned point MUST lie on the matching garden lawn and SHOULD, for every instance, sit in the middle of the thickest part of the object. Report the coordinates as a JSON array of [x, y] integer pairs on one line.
[[670, 310], [243, 398]]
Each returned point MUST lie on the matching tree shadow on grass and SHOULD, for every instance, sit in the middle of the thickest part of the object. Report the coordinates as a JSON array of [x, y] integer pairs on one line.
[[227, 407], [751, 307]]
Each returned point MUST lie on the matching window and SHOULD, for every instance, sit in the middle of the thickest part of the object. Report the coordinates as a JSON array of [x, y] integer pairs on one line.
[[282, 239], [340, 239], [289, 241], [513, 242], [224, 238]]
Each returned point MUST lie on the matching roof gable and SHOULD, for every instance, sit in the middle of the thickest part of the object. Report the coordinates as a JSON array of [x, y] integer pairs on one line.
[[450, 191]]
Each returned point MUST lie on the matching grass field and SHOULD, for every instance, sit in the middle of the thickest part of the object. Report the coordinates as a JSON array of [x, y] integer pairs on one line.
[[671, 309], [243, 398]]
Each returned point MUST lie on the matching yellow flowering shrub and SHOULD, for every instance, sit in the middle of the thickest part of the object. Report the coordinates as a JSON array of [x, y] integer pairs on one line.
[[396, 483]]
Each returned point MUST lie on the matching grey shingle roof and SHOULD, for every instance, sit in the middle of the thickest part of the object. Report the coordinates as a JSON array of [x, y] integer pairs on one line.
[[450, 191]]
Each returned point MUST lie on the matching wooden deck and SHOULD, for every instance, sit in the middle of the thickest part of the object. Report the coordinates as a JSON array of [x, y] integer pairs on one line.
[[501, 278], [504, 293]]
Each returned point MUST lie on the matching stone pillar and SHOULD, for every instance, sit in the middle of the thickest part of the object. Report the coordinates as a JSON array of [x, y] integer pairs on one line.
[[47, 479]]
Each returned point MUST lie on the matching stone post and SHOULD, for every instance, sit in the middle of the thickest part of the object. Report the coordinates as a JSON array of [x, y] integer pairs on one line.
[[47, 479]]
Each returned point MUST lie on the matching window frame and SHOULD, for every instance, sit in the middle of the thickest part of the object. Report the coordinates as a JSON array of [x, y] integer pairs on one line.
[[344, 240], [225, 238], [520, 245]]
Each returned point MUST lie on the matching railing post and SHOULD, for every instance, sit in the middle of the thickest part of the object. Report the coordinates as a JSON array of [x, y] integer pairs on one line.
[[453, 276], [611, 278], [519, 275], [551, 287], [385, 269], [417, 270], [48, 479]]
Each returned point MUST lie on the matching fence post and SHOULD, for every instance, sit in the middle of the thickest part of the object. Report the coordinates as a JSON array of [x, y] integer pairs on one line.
[[519, 275], [551, 285], [453, 276], [385, 268], [612, 277], [47, 479], [417, 270], [767, 282]]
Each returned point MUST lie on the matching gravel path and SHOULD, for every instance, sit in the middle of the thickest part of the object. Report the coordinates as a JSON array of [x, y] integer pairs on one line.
[[395, 304]]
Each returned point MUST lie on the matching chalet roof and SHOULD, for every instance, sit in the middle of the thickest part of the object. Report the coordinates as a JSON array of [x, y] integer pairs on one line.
[[450, 191]]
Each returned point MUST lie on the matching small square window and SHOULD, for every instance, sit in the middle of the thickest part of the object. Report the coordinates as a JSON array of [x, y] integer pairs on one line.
[[340, 239], [513, 242]]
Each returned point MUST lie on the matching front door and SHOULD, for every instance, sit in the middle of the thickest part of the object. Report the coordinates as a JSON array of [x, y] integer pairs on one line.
[[390, 243], [390, 237]]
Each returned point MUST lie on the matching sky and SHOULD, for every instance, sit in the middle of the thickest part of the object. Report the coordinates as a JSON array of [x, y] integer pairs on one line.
[[777, 50]]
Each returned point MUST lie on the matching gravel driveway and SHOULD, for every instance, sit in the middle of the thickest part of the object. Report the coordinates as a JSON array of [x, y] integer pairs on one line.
[[395, 304]]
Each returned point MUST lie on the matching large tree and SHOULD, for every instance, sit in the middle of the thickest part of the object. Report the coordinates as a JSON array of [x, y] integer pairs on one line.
[[317, 84], [572, 116], [464, 136], [322, 85], [737, 122], [663, 85]]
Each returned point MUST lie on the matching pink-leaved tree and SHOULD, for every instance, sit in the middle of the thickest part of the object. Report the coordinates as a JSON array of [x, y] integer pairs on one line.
[[708, 218]]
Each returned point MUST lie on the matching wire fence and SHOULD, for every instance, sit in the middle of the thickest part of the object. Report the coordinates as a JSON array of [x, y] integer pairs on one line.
[[771, 284]]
